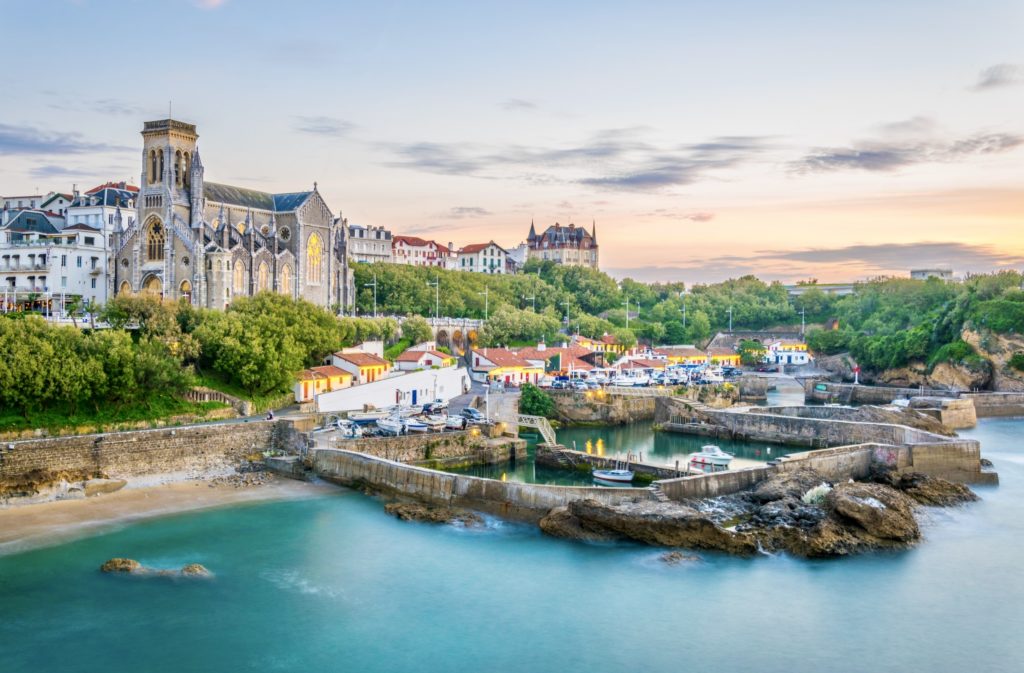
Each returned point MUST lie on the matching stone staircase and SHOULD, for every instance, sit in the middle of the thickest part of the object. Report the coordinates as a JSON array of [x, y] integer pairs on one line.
[[658, 494]]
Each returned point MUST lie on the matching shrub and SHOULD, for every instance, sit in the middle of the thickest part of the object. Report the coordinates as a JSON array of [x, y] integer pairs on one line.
[[536, 402], [1017, 361]]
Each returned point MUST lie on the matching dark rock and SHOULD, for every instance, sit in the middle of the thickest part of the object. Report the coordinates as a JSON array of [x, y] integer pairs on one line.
[[662, 524], [927, 490], [674, 558], [560, 522], [879, 511], [195, 570], [431, 514], [121, 565], [791, 484]]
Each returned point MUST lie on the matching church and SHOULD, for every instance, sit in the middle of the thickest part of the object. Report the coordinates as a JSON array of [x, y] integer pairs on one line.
[[208, 242]]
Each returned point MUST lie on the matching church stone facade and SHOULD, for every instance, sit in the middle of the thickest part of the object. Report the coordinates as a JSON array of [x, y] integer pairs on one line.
[[209, 242]]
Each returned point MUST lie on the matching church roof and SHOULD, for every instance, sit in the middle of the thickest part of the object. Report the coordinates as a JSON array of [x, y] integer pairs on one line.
[[252, 198], [33, 220], [557, 236]]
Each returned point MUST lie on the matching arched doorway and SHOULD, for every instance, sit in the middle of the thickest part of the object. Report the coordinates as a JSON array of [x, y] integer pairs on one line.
[[457, 338], [125, 288], [443, 339], [153, 286], [186, 290]]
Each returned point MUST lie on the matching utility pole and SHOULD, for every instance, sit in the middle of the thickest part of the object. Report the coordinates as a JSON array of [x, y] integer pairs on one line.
[[436, 284], [684, 314], [730, 319], [566, 305], [627, 312], [532, 299], [803, 320], [374, 286], [486, 294]]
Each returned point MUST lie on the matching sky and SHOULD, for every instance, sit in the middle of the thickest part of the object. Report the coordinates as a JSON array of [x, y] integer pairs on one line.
[[706, 140]]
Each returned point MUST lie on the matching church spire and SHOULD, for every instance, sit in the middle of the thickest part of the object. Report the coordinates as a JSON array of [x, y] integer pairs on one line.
[[593, 227], [533, 232]]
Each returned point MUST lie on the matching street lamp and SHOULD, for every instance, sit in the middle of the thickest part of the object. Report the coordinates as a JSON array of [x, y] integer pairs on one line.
[[566, 305], [436, 284], [374, 286], [730, 319], [533, 299], [486, 294], [627, 311]]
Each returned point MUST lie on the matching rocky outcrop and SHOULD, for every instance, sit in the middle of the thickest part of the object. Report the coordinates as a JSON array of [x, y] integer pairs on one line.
[[776, 515], [674, 558], [840, 366], [415, 511], [998, 349], [127, 566], [927, 490]]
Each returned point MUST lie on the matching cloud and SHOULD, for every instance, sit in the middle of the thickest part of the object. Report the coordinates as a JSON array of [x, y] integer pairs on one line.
[[208, 4], [323, 126], [848, 263], [517, 104], [105, 106], [611, 159], [999, 75], [462, 212], [881, 156], [668, 213], [26, 140]]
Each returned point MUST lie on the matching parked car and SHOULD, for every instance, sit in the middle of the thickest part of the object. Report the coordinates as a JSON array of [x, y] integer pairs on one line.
[[473, 415], [435, 407], [559, 385], [766, 368]]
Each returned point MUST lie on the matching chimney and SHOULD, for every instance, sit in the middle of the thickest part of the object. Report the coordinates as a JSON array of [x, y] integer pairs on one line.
[[542, 346]]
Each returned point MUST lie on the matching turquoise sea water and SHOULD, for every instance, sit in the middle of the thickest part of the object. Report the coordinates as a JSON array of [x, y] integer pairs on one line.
[[333, 584]]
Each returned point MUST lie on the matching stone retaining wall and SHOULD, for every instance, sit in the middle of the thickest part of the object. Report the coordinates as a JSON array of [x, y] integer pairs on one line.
[[528, 502], [596, 406], [134, 453], [988, 405]]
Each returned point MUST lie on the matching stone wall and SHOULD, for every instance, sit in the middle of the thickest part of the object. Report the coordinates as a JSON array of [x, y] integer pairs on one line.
[[848, 393], [463, 446], [528, 502], [602, 408], [988, 405], [129, 454]]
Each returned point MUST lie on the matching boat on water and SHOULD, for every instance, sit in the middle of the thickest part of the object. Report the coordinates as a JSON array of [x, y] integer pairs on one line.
[[613, 476], [710, 458], [391, 425]]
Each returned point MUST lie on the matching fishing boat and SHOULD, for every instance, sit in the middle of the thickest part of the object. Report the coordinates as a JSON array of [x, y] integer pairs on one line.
[[613, 476], [415, 425], [391, 425], [710, 458], [455, 422], [348, 429]]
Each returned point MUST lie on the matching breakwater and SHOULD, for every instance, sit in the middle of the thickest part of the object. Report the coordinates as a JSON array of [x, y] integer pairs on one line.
[[462, 447], [824, 427], [986, 404], [27, 465], [513, 500]]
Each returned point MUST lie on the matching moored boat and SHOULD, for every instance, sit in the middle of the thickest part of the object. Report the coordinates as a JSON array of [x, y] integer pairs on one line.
[[367, 417], [435, 423], [710, 458], [613, 476], [415, 425]]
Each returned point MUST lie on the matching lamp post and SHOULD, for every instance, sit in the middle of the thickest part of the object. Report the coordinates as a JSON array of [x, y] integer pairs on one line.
[[486, 294], [803, 320], [374, 286], [436, 284], [627, 312], [532, 299], [730, 319], [566, 305]]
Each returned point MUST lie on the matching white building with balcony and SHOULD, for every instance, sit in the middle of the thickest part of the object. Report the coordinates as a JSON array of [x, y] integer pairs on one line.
[[369, 244], [43, 266], [417, 251]]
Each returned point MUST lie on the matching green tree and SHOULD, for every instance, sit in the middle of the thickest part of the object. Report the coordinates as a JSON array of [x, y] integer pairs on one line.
[[535, 402], [698, 327], [416, 330]]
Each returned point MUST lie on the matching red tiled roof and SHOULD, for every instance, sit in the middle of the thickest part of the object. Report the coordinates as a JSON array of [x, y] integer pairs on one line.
[[414, 241], [686, 352], [643, 363], [322, 372], [502, 357], [362, 359], [477, 247], [414, 356], [721, 351]]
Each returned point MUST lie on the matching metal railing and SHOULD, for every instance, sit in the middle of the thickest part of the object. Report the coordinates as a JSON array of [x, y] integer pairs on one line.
[[541, 424], [639, 392]]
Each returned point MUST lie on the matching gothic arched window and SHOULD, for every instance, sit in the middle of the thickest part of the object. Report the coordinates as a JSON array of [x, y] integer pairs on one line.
[[186, 170], [286, 279], [153, 175], [160, 158], [263, 278], [155, 239], [314, 259], [177, 168], [239, 280]]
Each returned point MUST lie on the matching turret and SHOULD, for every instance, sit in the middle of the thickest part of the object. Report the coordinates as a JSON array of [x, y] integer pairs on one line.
[[196, 182]]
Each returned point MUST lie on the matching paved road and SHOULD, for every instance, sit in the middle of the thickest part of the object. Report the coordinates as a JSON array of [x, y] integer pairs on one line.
[[503, 403]]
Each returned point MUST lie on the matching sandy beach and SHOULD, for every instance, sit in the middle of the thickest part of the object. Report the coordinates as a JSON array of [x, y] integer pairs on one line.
[[29, 526]]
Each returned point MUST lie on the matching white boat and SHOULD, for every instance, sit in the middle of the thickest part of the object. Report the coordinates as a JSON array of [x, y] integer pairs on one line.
[[348, 429], [625, 381], [613, 476], [455, 422], [435, 423], [366, 417], [402, 410], [391, 425], [415, 425], [711, 458]]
